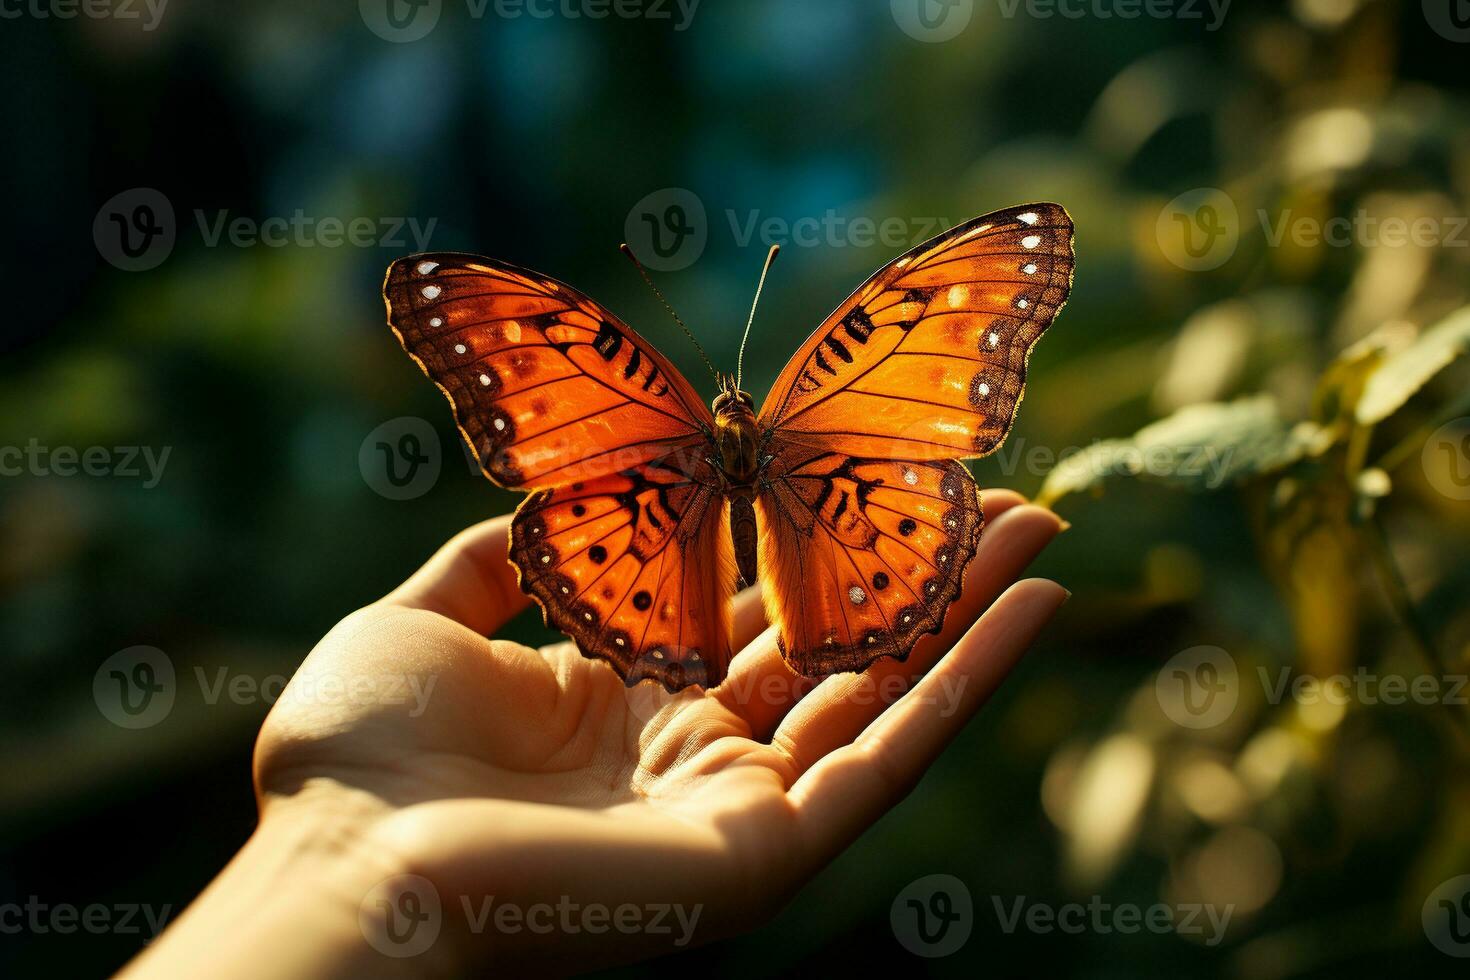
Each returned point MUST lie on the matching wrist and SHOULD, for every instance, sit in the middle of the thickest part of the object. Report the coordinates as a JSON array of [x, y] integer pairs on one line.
[[312, 893]]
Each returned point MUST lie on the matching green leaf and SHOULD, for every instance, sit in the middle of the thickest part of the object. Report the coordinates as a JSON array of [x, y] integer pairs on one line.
[[1341, 384], [1198, 448], [1404, 372]]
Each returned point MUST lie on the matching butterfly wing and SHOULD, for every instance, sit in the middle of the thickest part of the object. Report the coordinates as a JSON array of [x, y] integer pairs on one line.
[[927, 359], [868, 518], [863, 556], [547, 386], [637, 567], [624, 542]]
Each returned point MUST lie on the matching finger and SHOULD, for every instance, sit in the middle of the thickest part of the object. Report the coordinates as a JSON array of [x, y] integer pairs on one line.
[[845, 792], [747, 617], [762, 687], [844, 704], [470, 579]]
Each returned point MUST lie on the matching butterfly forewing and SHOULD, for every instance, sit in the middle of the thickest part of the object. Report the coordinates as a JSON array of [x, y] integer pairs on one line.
[[927, 359], [547, 386]]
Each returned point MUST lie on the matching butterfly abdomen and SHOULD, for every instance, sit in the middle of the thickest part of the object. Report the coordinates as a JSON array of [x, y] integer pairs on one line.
[[743, 533]]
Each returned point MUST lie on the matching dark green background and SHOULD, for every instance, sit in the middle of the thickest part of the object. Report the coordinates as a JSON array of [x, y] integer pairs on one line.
[[531, 139]]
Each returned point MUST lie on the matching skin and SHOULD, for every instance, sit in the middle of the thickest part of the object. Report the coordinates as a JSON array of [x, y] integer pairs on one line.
[[534, 776]]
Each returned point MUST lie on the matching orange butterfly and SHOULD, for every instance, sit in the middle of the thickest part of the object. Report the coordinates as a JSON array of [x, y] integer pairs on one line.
[[847, 483]]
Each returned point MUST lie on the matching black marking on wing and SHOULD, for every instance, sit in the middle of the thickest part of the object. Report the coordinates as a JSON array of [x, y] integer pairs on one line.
[[609, 341], [859, 326], [836, 347]]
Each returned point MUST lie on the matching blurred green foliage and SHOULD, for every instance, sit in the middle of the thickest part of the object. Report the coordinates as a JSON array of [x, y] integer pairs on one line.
[[1334, 539]]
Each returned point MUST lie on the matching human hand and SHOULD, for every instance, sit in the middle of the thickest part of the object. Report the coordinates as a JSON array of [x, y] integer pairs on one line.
[[534, 779]]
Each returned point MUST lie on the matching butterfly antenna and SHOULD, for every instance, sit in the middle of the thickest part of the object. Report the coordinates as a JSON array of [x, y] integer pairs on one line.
[[740, 361], [628, 251]]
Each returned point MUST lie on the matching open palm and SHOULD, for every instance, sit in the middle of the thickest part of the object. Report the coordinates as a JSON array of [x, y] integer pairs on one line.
[[494, 774]]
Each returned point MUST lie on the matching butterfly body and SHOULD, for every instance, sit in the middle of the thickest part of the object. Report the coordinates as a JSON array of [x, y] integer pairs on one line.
[[737, 443], [844, 494]]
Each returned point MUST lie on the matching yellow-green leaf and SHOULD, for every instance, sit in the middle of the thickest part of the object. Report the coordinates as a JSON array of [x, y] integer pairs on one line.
[[1404, 372], [1200, 448]]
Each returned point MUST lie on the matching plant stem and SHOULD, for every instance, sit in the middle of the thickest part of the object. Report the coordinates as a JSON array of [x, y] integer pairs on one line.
[[1403, 605]]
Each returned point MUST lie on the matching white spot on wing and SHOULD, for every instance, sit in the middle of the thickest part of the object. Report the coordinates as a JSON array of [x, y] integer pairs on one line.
[[1029, 218], [425, 267], [1031, 241], [485, 383], [857, 595], [910, 477], [431, 292], [460, 348], [435, 321], [992, 340]]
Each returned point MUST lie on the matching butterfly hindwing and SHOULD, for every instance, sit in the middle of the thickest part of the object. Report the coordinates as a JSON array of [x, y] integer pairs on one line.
[[927, 359], [863, 556], [547, 386], [637, 567]]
